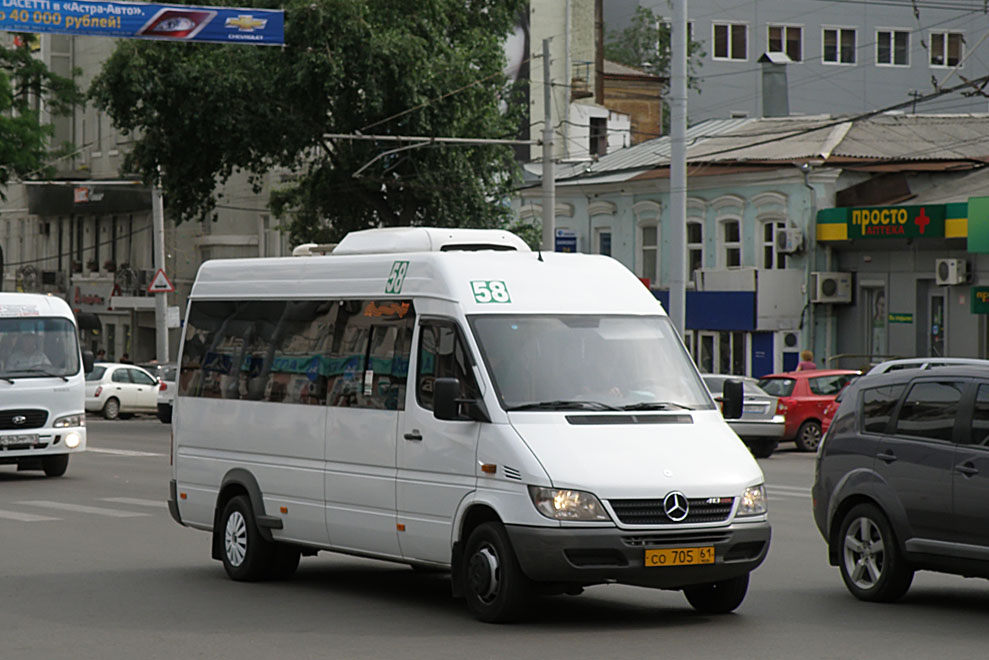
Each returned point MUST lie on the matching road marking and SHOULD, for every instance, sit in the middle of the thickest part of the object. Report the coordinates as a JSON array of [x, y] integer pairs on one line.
[[80, 508], [788, 491], [136, 501], [24, 517], [122, 452]]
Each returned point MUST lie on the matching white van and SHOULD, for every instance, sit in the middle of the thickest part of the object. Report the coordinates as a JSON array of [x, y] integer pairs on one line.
[[452, 400], [42, 416]]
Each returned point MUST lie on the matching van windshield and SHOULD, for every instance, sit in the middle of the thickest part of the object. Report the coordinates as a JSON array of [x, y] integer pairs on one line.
[[588, 362], [38, 347]]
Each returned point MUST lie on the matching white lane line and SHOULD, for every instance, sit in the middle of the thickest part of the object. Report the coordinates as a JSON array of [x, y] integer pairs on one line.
[[80, 508], [122, 452], [136, 501], [24, 517], [788, 491]]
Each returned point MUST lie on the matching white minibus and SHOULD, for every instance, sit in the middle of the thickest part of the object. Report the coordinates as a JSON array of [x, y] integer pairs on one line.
[[42, 415], [451, 400]]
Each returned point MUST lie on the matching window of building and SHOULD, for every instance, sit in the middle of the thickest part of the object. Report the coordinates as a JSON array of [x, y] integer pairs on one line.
[[946, 48], [695, 248], [649, 252], [721, 352], [443, 354], [603, 241], [599, 136], [771, 257], [839, 46], [930, 410], [786, 39], [730, 41], [893, 47], [731, 243]]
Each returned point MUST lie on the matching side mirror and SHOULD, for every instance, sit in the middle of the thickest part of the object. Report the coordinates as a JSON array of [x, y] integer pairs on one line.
[[731, 407], [87, 361], [447, 402]]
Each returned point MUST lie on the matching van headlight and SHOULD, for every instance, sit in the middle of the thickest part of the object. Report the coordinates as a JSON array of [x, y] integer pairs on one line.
[[563, 504], [66, 421], [753, 501]]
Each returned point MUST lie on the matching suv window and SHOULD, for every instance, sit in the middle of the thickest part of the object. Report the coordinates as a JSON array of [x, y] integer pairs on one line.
[[877, 407], [980, 417], [777, 386], [829, 385], [930, 409]]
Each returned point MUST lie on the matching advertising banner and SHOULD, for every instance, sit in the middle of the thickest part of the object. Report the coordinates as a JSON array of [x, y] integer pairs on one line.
[[132, 20]]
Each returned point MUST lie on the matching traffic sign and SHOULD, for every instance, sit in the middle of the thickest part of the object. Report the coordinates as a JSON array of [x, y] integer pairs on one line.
[[160, 283]]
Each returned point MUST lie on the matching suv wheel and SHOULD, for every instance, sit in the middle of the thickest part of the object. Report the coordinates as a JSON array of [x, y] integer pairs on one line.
[[870, 560], [808, 436]]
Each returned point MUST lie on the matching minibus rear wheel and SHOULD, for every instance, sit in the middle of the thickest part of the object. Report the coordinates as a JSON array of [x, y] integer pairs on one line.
[[495, 587], [246, 556]]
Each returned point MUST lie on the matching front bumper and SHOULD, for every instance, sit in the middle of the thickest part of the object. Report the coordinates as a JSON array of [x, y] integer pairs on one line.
[[595, 555], [44, 442]]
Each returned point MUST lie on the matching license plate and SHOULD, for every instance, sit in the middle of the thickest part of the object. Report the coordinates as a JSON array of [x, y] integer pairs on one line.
[[680, 556], [27, 439], [753, 408]]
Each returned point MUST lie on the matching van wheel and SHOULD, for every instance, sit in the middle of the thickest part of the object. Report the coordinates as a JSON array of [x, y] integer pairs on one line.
[[763, 447], [495, 587], [284, 561], [870, 561], [718, 597], [55, 466], [246, 556], [808, 436], [111, 409]]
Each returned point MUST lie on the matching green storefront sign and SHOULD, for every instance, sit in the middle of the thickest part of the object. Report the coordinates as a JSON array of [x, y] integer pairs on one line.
[[900, 318], [980, 299], [896, 222]]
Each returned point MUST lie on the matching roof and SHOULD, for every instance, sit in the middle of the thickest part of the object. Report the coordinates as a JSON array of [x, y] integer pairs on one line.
[[973, 184], [618, 69], [824, 139], [29, 305]]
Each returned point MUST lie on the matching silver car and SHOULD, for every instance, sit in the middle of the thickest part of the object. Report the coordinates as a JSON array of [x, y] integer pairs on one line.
[[760, 427]]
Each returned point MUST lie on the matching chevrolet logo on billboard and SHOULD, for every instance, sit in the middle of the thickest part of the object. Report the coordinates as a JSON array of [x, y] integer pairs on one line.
[[246, 23]]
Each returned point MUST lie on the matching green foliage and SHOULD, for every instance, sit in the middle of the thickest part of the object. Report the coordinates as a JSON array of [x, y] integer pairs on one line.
[[204, 111], [25, 84], [646, 44]]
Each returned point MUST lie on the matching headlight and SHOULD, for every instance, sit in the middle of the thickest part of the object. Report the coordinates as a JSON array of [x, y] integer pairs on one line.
[[69, 420], [561, 504], [753, 501]]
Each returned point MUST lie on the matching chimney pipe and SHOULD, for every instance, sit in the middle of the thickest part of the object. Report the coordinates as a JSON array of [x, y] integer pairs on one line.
[[775, 94]]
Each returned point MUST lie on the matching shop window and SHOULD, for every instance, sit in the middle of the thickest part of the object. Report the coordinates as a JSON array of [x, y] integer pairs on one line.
[[839, 46]]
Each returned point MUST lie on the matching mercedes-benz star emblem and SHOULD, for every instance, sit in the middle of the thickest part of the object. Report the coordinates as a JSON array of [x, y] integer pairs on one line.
[[19, 419], [675, 505]]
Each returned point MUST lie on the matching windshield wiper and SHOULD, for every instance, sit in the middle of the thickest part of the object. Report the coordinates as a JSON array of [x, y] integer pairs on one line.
[[655, 405], [564, 405], [43, 372]]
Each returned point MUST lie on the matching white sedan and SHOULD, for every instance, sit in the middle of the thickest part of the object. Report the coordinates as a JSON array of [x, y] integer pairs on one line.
[[119, 390]]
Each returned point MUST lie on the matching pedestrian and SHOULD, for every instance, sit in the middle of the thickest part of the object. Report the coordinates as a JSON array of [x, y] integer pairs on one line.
[[100, 355], [806, 361], [125, 359]]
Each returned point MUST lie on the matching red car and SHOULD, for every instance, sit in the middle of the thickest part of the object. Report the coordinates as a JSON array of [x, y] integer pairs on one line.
[[803, 398]]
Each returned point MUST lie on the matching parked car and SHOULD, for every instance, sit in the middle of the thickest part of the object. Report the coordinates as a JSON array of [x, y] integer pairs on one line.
[[167, 376], [804, 396], [120, 390], [925, 363], [762, 424], [901, 479]]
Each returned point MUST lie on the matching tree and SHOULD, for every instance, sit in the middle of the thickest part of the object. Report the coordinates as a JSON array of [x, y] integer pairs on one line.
[[429, 68], [26, 85]]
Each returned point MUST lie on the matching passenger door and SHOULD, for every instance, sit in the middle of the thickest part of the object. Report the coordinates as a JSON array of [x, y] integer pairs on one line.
[[145, 390], [122, 389], [970, 477], [437, 459], [916, 459]]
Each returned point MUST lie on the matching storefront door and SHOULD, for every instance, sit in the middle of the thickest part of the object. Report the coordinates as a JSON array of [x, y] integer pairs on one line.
[[937, 326]]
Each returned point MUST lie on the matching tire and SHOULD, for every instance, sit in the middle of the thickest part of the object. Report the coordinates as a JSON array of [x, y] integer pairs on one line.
[[495, 587], [763, 447], [718, 597], [869, 557], [164, 414], [55, 466], [808, 436], [246, 556], [111, 409], [284, 561]]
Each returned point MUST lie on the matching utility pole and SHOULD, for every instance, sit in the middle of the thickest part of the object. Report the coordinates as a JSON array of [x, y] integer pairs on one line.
[[549, 185], [678, 168], [161, 300]]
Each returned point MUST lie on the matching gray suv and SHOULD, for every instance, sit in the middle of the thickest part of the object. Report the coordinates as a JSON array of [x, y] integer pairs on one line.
[[902, 479]]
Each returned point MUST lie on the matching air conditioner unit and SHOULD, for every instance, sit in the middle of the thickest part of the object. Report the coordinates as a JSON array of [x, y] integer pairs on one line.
[[831, 287], [951, 271], [789, 240]]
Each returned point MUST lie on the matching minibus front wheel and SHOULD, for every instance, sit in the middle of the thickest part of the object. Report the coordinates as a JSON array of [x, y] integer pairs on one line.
[[494, 585], [246, 556]]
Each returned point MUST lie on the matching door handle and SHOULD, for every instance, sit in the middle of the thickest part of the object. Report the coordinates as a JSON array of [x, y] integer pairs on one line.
[[413, 436], [967, 469], [887, 456]]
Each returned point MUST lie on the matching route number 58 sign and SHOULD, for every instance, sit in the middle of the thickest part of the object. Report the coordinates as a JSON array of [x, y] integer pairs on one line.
[[490, 291]]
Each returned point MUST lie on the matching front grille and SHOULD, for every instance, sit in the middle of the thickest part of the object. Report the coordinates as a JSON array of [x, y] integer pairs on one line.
[[602, 557], [677, 538], [650, 512], [34, 419]]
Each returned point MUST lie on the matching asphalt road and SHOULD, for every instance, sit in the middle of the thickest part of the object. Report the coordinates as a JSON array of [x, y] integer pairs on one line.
[[93, 567]]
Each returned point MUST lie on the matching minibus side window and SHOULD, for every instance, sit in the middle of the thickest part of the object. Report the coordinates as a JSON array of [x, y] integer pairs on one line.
[[442, 354]]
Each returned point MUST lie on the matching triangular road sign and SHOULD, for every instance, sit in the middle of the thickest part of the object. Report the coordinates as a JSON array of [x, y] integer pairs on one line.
[[161, 283]]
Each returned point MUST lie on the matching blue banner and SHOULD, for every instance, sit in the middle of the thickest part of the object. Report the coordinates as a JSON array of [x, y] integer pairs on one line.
[[132, 20]]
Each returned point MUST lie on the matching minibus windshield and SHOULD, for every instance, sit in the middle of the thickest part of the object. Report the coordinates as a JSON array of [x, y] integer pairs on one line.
[[588, 362], [38, 348]]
